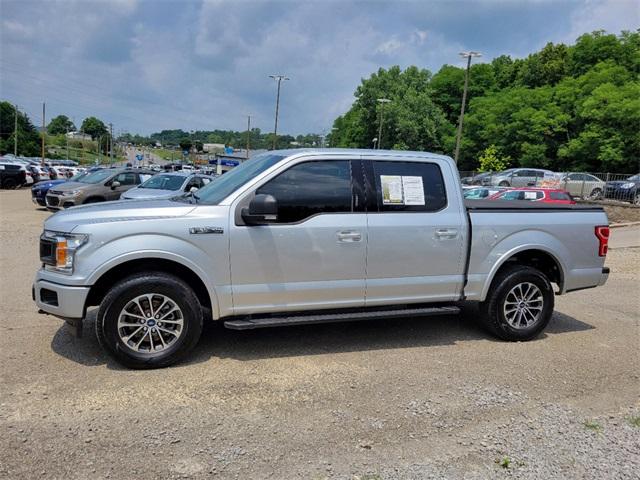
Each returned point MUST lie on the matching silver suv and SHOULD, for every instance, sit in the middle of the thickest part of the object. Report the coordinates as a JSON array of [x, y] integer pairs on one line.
[[517, 177]]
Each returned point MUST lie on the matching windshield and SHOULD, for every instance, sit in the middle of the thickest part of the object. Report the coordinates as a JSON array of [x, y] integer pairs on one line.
[[97, 176], [164, 182], [78, 176], [228, 183]]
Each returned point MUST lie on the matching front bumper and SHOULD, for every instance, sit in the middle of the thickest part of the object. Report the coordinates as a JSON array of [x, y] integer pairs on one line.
[[63, 301], [624, 194], [58, 202]]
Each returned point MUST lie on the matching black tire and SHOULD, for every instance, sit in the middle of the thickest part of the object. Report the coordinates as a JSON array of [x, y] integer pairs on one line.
[[636, 199], [492, 309], [504, 183], [596, 194], [9, 183], [93, 200], [146, 283]]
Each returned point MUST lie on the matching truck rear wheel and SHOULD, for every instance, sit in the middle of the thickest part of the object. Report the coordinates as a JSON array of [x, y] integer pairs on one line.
[[519, 304], [149, 320]]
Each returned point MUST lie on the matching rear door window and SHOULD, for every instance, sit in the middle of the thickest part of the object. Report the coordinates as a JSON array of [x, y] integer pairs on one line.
[[409, 186]]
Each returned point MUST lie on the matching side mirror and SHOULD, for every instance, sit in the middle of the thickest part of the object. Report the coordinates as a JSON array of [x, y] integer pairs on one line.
[[193, 189], [262, 209], [114, 185]]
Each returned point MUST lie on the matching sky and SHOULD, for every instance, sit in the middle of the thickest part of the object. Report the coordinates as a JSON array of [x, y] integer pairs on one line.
[[203, 65]]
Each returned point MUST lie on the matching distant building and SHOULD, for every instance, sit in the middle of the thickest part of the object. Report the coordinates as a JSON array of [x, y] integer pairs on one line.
[[211, 147], [78, 136]]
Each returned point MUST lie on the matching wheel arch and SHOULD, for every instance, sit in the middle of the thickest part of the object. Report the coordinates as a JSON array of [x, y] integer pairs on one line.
[[129, 266], [536, 256]]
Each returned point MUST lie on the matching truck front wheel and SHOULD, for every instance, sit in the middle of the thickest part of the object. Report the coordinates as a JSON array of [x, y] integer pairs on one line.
[[519, 304], [149, 320]]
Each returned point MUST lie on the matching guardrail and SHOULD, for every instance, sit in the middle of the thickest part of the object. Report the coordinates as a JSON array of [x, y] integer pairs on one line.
[[619, 187]]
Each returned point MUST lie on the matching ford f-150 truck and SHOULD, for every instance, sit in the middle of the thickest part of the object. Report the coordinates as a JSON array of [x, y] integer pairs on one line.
[[308, 236]]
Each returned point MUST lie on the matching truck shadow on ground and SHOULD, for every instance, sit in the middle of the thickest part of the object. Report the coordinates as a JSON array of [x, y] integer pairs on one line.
[[318, 339]]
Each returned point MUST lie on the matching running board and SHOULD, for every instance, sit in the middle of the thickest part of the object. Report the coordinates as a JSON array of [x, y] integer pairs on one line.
[[251, 323]]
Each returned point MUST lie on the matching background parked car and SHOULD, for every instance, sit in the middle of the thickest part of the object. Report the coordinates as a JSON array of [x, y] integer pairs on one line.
[[543, 195], [167, 185], [99, 186], [475, 193], [12, 175], [475, 179], [40, 189], [582, 185], [626, 190], [517, 177]]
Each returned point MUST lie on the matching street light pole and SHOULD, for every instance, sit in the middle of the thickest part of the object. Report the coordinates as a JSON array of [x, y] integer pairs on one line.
[[15, 132], [279, 78], [248, 134], [468, 56], [382, 101]]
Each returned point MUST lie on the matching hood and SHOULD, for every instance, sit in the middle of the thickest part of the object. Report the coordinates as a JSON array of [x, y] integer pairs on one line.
[[617, 183], [66, 186], [48, 183], [118, 211], [150, 193]]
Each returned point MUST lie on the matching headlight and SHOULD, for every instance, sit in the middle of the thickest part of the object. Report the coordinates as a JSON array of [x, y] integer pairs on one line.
[[71, 192], [628, 185], [62, 247]]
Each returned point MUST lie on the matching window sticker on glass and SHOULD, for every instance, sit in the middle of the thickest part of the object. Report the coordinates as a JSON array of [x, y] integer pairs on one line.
[[413, 190], [530, 195], [391, 189]]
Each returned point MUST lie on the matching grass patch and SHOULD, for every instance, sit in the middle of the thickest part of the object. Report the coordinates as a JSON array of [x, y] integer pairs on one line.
[[634, 421], [505, 462], [592, 425]]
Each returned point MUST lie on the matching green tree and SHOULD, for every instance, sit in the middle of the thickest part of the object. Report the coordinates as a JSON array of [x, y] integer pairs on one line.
[[492, 161], [59, 125], [28, 137], [185, 144], [94, 127]]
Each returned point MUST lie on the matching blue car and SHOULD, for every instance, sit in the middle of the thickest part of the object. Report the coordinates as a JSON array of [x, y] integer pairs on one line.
[[39, 191], [625, 190]]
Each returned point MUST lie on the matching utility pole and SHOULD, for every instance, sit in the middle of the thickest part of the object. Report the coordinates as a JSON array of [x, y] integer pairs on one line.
[[248, 134], [468, 56], [44, 131], [279, 78], [382, 101], [15, 132], [111, 143]]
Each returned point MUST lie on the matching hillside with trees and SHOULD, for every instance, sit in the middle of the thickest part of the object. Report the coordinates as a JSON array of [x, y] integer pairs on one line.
[[565, 108]]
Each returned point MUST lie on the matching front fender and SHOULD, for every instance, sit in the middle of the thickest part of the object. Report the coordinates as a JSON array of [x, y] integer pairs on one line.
[[122, 250]]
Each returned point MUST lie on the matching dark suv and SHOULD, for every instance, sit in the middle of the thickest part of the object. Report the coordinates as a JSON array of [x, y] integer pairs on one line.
[[12, 175], [626, 190]]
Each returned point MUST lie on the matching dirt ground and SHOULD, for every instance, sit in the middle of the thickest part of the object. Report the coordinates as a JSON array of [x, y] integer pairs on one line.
[[401, 399]]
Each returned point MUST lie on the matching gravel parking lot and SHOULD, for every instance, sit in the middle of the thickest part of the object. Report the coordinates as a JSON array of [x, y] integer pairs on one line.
[[401, 399]]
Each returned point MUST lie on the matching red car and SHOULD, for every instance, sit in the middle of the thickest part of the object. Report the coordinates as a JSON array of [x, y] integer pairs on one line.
[[544, 195]]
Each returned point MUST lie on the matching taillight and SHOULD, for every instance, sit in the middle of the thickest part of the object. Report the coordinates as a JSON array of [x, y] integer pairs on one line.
[[602, 233]]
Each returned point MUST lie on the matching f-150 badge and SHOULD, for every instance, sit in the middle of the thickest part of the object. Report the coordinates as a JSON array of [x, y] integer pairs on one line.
[[204, 230]]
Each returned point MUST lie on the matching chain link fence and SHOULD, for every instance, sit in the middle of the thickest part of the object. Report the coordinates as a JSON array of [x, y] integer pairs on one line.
[[605, 187]]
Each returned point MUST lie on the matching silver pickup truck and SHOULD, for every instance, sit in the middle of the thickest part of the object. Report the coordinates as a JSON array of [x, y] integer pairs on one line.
[[309, 236]]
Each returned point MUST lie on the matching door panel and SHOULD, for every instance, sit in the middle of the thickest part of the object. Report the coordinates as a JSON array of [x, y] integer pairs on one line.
[[292, 267], [416, 255]]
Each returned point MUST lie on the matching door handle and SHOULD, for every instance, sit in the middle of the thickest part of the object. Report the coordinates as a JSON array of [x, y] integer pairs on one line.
[[349, 236], [446, 233]]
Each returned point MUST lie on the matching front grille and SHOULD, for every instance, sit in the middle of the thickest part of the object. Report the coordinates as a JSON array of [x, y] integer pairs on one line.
[[53, 201], [47, 251]]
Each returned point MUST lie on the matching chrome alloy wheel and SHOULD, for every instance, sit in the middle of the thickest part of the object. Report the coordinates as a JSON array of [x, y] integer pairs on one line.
[[150, 323], [523, 305]]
